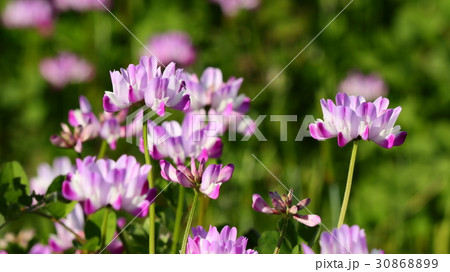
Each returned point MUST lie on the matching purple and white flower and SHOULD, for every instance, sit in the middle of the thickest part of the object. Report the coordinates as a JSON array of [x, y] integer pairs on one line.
[[353, 118], [369, 86], [345, 240], [66, 68], [213, 242], [146, 82], [208, 181], [40, 249], [81, 5], [172, 46], [29, 14], [190, 139], [47, 173], [231, 7], [99, 183], [282, 205], [86, 127], [63, 239]]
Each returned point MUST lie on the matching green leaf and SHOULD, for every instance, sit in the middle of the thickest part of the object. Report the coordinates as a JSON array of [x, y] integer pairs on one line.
[[291, 237], [309, 235], [14, 189], [94, 225], [57, 205], [268, 241]]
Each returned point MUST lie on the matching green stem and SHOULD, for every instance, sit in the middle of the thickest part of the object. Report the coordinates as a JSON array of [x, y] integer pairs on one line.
[[151, 212], [189, 222], [348, 187], [102, 151], [104, 228], [283, 231], [178, 218]]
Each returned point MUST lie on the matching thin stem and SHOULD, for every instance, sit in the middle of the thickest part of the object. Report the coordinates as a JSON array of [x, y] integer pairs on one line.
[[78, 237], [104, 228], [151, 212], [189, 222], [178, 217], [348, 187], [283, 231], [102, 151]]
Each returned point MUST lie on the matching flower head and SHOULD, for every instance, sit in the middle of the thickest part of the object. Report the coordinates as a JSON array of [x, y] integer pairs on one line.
[[213, 242], [283, 205], [122, 184], [231, 7], [353, 118], [173, 47], [207, 181], [40, 249], [369, 86], [179, 142], [66, 68], [47, 173], [146, 82], [29, 13], [345, 240]]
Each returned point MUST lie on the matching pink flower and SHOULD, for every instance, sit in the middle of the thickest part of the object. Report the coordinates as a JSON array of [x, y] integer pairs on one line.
[[86, 127], [213, 242], [81, 5], [283, 205], [29, 13], [353, 118], [47, 173], [146, 82], [172, 47], [99, 183], [231, 7], [370, 86], [345, 240], [40, 249], [208, 181], [66, 68]]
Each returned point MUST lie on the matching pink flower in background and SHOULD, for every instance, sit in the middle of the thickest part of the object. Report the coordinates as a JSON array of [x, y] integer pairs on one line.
[[173, 46], [66, 68], [47, 173], [213, 242], [231, 7], [63, 239], [29, 14], [3, 252], [146, 82], [121, 184], [283, 205], [208, 180], [81, 5], [353, 118], [86, 127], [40, 249], [369, 86], [345, 240], [179, 142]]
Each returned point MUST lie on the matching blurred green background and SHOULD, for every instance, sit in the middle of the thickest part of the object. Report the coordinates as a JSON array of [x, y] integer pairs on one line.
[[401, 197]]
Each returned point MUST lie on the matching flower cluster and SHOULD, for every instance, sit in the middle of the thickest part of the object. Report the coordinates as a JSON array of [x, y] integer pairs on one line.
[[172, 47], [99, 183], [47, 173], [208, 181], [146, 82], [29, 14], [369, 86], [213, 242], [282, 205], [66, 68], [180, 142], [345, 240], [352, 118], [231, 7]]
